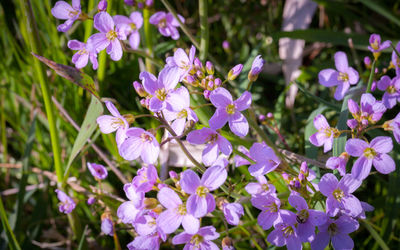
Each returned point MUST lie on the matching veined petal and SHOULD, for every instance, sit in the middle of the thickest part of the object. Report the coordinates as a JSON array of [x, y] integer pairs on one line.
[[341, 90], [321, 241], [327, 184], [131, 148], [348, 184], [328, 77], [150, 151], [224, 145], [243, 102], [134, 39], [61, 10], [98, 42], [196, 205], [219, 119], [361, 168], [149, 81], [200, 136], [342, 241], [341, 62], [116, 50], [189, 181], [221, 98], [169, 221], [382, 144], [210, 154], [76, 45], [103, 22], [297, 202], [356, 147], [137, 18], [113, 110], [156, 104], [108, 123], [238, 124], [190, 224], [169, 77], [384, 164], [181, 59], [384, 83], [214, 177]]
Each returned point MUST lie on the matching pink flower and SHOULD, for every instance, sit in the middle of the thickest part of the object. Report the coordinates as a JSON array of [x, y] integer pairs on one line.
[[62, 10], [374, 153], [130, 26], [182, 61], [375, 45], [67, 204], [229, 111], [202, 239], [80, 58], [232, 212], [325, 133], [113, 122], [140, 143], [166, 23], [201, 201], [265, 158], [392, 90], [260, 187], [98, 171]]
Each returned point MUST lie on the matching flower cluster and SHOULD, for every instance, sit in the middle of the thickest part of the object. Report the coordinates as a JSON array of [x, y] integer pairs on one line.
[[158, 209]]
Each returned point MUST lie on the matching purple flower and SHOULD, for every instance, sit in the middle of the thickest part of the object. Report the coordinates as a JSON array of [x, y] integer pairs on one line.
[[396, 60], [374, 153], [375, 43], [130, 210], [98, 171], [200, 240], [215, 143], [166, 24], [234, 72], [240, 161], [146, 223], [339, 194], [270, 210], [80, 58], [370, 110], [201, 201], [131, 27], [325, 133], [225, 45], [265, 158], [176, 213], [91, 200], [162, 90], [102, 6], [336, 231], [180, 117], [366, 208], [233, 212], [392, 90], [145, 179], [338, 163], [229, 111], [343, 77], [285, 232], [107, 227], [394, 125], [62, 10], [256, 68], [307, 219], [151, 241], [260, 187], [182, 61], [109, 36], [67, 204], [140, 143], [113, 122]]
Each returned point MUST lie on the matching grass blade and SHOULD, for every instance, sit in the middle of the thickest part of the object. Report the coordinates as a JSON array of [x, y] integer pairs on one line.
[[375, 6], [316, 98], [375, 235], [13, 243]]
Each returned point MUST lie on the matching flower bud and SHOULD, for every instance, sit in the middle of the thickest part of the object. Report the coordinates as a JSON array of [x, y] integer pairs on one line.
[[226, 45], [91, 200], [302, 177], [145, 102], [173, 175], [209, 68], [352, 123], [200, 74], [139, 89], [256, 68], [364, 122], [234, 72], [304, 168], [207, 94], [197, 64], [210, 85], [367, 62], [227, 244], [373, 86], [297, 184], [107, 226], [217, 82], [190, 79], [102, 6], [203, 84], [285, 176], [353, 106], [270, 115], [261, 118]]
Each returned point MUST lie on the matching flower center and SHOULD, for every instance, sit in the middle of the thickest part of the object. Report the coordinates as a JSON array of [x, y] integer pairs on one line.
[[161, 94], [332, 229], [145, 137], [271, 207], [302, 216], [117, 122], [230, 109], [265, 187], [375, 45], [391, 89], [213, 138], [338, 194], [82, 51], [162, 23], [329, 131], [202, 191], [287, 231], [182, 114], [182, 209], [370, 153], [196, 240], [344, 77], [73, 13], [133, 26], [111, 35]]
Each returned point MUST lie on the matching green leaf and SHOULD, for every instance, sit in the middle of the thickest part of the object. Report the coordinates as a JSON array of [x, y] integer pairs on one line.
[[375, 234], [82, 241], [375, 6], [72, 74], [88, 127], [10, 235]]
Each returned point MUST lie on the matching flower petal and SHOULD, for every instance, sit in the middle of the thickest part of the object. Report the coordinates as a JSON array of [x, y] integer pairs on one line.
[[196, 205], [189, 181], [61, 10], [103, 22], [341, 62], [190, 224], [219, 119], [361, 168], [356, 147], [238, 124], [169, 221], [328, 77], [168, 198], [341, 90], [134, 39], [220, 98], [243, 102], [384, 164], [327, 184], [297, 202], [214, 177], [382, 144], [210, 154]]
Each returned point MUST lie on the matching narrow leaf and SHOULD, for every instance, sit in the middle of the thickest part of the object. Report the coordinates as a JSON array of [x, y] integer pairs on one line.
[[6, 225]]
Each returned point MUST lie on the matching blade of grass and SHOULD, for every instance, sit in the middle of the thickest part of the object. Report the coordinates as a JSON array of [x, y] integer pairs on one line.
[[375, 6], [316, 98], [82, 240], [375, 235], [204, 34], [13, 243]]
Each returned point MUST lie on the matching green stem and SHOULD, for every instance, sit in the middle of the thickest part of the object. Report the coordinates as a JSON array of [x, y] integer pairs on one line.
[[371, 77], [34, 41], [149, 41], [204, 35], [149, 59]]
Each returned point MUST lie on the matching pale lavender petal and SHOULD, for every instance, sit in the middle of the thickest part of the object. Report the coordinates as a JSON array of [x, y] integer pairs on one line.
[[238, 124], [75, 45], [61, 10], [353, 76], [149, 81], [197, 206], [276, 238], [352, 205], [342, 241], [137, 18], [180, 57], [169, 221], [341, 90], [320, 122], [181, 238], [190, 224], [113, 110], [157, 17], [168, 198], [318, 139], [219, 119], [120, 136], [327, 184], [382, 144], [209, 233], [178, 126], [220, 98], [266, 219], [150, 151], [107, 123], [134, 40], [224, 145], [306, 231], [131, 148], [156, 104], [356, 147], [189, 181], [76, 4], [389, 100], [384, 164], [361, 168], [199, 136], [64, 27], [297, 202], [210, 202], [169, 77], [119, 19], [214, 177], [348, 184], [328, 77], [316, 217], [341, 62], [210, 154], [243, 102], [321, 241], [233, 212], [98, 42], [116, 50], [103, 22], [175, 101], [384, 83]]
